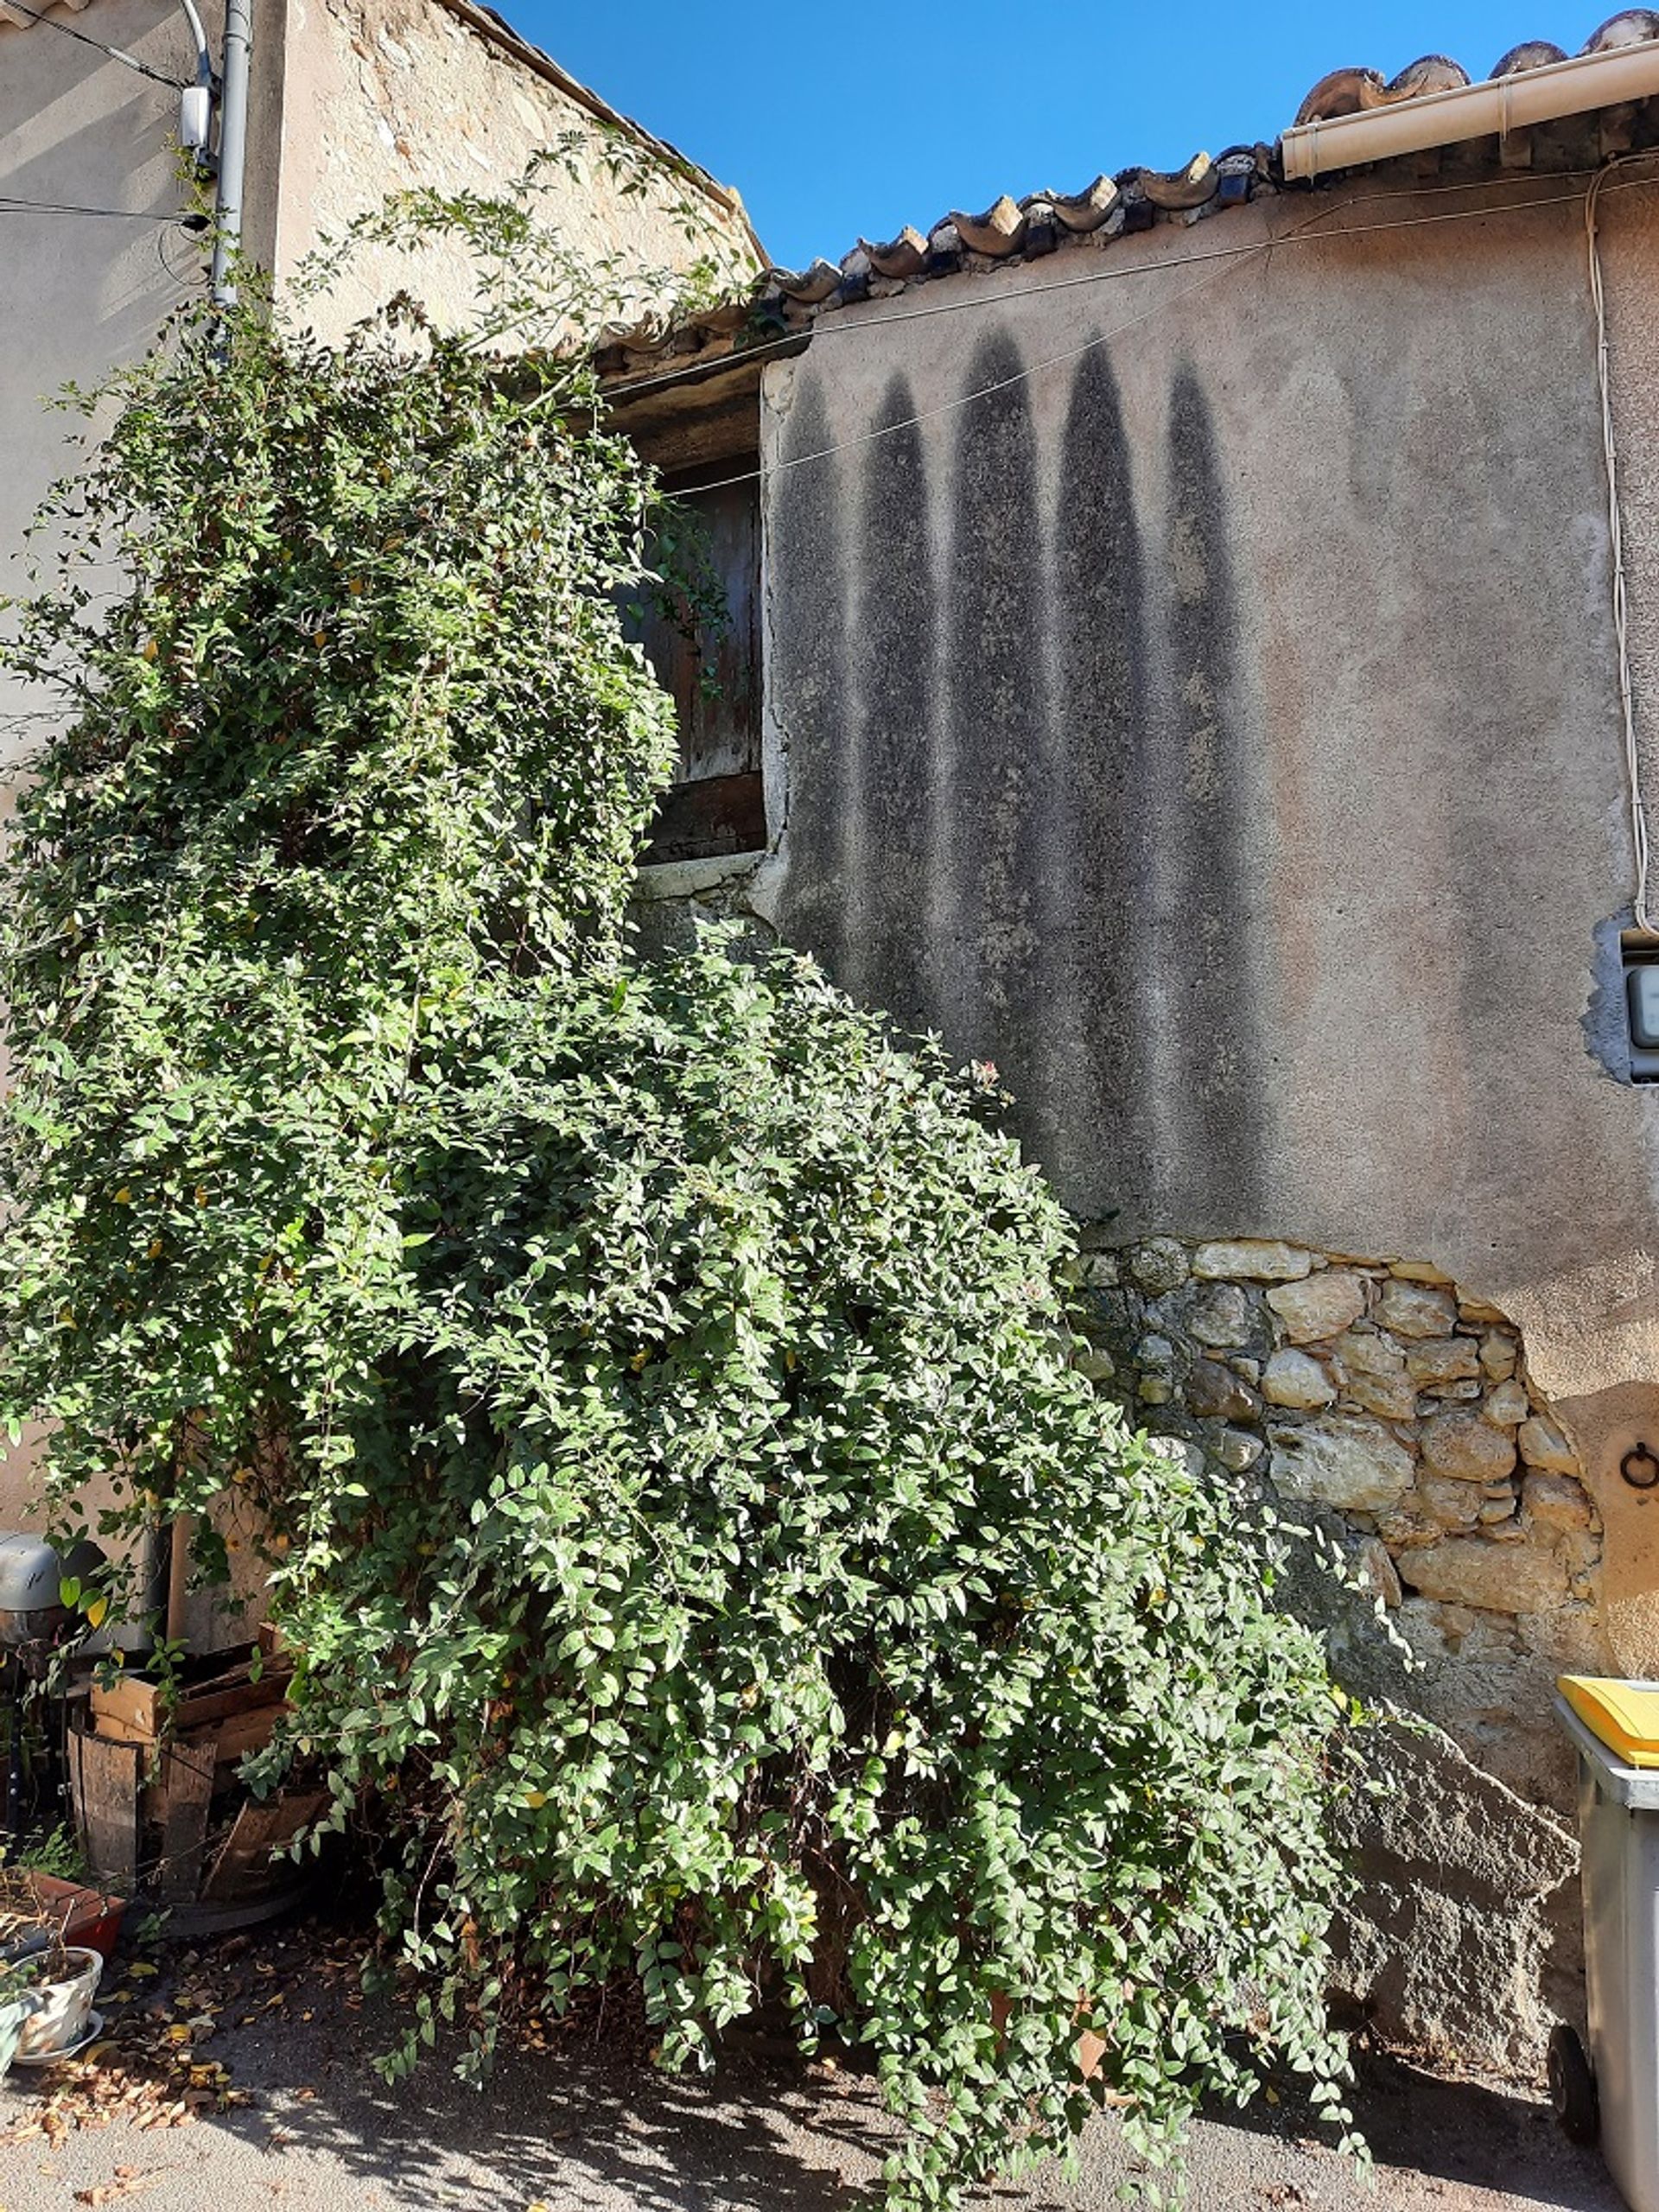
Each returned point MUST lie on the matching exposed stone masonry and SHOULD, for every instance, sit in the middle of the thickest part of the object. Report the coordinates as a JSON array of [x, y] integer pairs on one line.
[[1373, 1391]]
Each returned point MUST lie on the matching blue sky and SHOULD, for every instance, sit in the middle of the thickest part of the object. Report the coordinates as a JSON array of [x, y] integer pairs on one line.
[[858, 117]]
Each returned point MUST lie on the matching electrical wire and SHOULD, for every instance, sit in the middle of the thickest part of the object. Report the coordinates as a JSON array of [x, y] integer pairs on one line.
[[115, 53], [11, 205], [1304, 234], [1616, 550], [1227, 256]]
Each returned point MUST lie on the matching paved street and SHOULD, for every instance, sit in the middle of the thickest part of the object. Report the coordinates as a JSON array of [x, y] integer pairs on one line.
[[579, 2128]]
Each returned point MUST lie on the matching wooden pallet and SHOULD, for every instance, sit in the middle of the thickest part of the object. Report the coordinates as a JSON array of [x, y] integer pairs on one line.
[[146, 1767]]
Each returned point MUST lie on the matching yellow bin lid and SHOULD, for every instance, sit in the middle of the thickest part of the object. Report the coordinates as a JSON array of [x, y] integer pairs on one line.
[[1623, 1715]]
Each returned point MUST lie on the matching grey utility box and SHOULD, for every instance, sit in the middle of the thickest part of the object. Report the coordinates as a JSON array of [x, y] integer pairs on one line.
[[1617, 2092]]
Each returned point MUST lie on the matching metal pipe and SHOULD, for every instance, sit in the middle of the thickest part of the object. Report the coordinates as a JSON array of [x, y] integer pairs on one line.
[[203, 52], [233, 148], [1585, 82]]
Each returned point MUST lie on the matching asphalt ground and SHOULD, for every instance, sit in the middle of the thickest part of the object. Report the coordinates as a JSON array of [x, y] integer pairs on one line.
[[238, 2079]]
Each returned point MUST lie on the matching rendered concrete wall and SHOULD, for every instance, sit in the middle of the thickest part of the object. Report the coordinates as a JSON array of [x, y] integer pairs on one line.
[[1216, 727], [83, 293]]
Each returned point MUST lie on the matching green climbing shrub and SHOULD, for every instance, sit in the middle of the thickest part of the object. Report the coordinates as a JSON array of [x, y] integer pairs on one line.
[[655, 1380]]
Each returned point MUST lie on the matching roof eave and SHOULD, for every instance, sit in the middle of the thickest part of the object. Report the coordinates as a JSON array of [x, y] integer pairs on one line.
[[1577, 87]]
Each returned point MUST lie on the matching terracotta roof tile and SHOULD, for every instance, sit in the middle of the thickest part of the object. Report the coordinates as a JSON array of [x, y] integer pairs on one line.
[[1351, 92], [9, 15], [786, 300]]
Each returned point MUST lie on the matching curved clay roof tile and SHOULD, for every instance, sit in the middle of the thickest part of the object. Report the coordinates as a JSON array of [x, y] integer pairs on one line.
[[1343, 91], [1354, 91], [904, 255], [1175, 189], [1430, 72], [1633, 27], [1088, 209], [809, 286], [1531, 53], [998, 231], [39, 7]]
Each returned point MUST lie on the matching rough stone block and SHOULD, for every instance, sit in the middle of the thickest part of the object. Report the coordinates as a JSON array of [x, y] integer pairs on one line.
[[1223, 1318], [1391, 1396], [1096, 1362], [1498, 1355], [1372, 1560], [1295, 1378], [1238, 1451], [1496, 1578], [1449, 1504], [1507, 1406], [1320, 1306], [1413, 1309], [1463, 1445], [1362, 1352], [1251, 1259], [1557, 1500], [1419, 1271], [1542, 1445], [1158, 1265], [1442, 1359], [1462, 1885], [1215, 1392], [1355, 1465]]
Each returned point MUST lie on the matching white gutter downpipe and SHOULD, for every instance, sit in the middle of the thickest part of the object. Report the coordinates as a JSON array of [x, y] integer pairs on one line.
[[1412, 126], [233, 148]]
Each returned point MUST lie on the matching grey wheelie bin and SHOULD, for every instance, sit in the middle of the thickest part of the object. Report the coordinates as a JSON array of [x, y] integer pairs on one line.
[[1614, 2090]]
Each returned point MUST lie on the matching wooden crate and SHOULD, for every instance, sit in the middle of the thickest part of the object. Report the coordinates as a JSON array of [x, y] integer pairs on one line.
[[130, 1710], [148, 1767]]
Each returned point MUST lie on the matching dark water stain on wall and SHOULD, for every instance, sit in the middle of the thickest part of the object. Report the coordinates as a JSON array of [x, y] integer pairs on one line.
[[1214, 1085], [809, 681], [993, 767], [1097, 893], [890, 874]]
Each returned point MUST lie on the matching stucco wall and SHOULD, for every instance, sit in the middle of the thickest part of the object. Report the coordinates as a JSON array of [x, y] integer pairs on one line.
[[1216, 727], [386, 95], [83, 292]]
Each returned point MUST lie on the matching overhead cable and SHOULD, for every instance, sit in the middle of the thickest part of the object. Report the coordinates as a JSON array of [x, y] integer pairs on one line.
[[11, 205], [115, 53]]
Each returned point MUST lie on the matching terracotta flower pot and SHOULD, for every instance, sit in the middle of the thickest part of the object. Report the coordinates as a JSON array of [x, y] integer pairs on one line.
[[89, 1918]]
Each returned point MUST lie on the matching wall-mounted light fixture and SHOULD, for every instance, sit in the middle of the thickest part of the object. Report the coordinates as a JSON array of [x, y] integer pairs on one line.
[[1641, 958]]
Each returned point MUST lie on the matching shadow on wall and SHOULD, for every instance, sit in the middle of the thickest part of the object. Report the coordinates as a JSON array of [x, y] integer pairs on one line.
[[1009, 764]]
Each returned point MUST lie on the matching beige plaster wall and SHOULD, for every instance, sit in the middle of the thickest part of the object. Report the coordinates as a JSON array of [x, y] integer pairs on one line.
[[1217, 729], [1193, 688], [81, 293], [1594, 1327], [386, 95]]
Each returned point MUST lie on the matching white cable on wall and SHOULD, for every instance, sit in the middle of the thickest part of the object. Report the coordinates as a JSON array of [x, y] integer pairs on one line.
[[1616, 551]]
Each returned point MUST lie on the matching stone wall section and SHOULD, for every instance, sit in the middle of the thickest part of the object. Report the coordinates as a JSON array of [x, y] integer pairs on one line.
[[1375, 1395]]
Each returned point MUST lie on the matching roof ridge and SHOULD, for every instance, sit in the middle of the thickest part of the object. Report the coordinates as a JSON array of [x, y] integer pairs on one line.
[[784, 301]]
